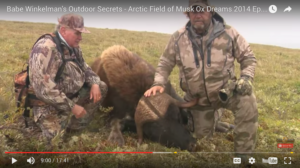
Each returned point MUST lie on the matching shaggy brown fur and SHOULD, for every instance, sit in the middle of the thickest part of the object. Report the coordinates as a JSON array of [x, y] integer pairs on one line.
[[127, 76], [122, 69]]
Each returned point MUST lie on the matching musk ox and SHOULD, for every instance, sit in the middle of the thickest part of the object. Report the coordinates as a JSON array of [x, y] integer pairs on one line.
[[128, 76], [158, 117]]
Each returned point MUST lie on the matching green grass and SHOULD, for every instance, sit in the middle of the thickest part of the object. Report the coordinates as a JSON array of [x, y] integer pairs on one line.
[[277, 88]]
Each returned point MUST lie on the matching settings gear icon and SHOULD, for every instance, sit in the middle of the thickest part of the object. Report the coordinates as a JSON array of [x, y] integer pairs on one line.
[[251, 160]]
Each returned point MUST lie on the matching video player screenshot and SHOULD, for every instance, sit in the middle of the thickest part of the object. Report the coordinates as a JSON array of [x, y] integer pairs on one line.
[[182, 83]]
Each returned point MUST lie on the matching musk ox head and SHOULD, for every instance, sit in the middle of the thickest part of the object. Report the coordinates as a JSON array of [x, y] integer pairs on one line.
[[157, 117]]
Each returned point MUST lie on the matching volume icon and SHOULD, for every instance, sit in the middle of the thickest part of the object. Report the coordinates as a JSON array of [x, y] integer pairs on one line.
[[31, 160]]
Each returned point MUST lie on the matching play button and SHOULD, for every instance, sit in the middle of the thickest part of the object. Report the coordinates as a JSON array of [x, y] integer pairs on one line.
[[13, 160]]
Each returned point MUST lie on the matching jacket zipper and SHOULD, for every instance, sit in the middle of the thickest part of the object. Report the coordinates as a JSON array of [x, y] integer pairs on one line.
[[209, 56], [203, 65], [209, 48]]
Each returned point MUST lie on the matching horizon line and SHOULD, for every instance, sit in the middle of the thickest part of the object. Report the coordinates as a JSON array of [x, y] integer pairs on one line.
[[255, 43]]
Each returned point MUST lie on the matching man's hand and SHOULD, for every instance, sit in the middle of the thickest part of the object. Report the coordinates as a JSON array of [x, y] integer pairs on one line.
[[153, 90], [78, 111], [244, 85], [95, 93]]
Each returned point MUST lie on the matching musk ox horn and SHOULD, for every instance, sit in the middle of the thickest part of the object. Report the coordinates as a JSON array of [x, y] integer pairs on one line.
[[160, 109]]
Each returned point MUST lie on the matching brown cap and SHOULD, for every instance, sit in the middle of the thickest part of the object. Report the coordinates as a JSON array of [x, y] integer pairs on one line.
[[73, 21], [203, 3]]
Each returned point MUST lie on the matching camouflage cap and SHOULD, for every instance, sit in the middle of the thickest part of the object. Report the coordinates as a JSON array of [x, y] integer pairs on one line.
[[203, 3], [73, 21]]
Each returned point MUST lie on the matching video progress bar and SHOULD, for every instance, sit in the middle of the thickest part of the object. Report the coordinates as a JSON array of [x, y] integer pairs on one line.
[[143, 152], [224, 152]]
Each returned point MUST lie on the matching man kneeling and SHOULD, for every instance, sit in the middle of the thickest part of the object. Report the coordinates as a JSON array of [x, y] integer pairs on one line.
[[62, 80]]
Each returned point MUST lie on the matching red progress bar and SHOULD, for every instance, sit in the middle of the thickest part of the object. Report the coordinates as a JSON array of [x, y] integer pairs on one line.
[[71, 152]]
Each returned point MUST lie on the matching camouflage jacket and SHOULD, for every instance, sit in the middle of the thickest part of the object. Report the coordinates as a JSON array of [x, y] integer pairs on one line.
[[203, 78], [44, 63]]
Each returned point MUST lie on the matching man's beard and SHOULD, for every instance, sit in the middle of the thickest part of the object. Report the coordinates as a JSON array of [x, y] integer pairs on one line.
[[201, 28]]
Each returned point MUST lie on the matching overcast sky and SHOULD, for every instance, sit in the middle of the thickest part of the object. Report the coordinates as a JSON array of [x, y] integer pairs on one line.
[[279, 29]]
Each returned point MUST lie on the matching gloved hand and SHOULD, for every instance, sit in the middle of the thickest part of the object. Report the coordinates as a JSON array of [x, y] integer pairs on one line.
[[244, 85]]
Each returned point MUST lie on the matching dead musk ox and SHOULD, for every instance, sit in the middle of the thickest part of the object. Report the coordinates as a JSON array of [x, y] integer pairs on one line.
[[157, 117], [128, 76]]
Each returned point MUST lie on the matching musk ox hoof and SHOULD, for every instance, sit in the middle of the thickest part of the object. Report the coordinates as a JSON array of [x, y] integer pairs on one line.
[[140, 141], [116, 138]]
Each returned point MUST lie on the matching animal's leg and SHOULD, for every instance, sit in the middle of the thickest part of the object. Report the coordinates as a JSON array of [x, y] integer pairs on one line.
[[117, 118], [139, 130], [115, 135]]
